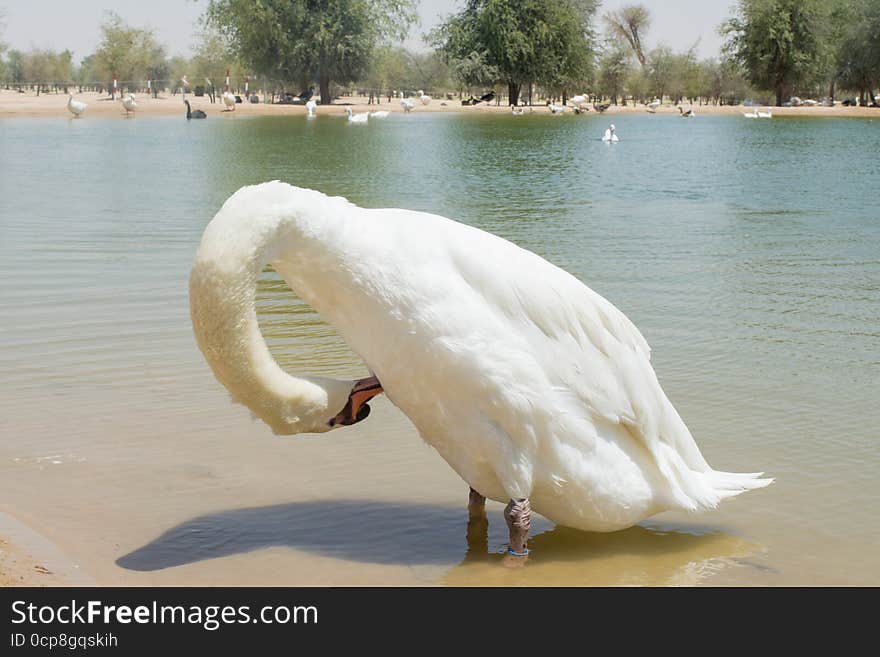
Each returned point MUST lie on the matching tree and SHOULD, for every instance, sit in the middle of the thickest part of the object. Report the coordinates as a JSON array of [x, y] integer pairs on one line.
[[777, 42], [630, 23], [130, 53], [523, 41], [327, 40], [858, 53], [614, 69]]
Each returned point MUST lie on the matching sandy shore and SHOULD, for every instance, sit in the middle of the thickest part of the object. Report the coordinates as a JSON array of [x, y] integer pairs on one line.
[[29, 559], [13, 103]]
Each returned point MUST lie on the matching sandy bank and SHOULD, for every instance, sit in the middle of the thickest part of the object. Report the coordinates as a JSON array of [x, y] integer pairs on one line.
[[13, 103], [29, 559]]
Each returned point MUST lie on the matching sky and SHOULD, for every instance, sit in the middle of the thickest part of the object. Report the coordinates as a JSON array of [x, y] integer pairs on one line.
[[73, 24]]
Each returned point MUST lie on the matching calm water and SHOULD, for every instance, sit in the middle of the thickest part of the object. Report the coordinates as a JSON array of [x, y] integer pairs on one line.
[[748, 252]]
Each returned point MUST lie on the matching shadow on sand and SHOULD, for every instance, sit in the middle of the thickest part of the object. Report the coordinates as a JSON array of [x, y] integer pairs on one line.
[[395, 533]]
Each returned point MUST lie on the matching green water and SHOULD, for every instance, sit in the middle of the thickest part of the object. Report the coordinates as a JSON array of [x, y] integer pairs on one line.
[[747, 252]]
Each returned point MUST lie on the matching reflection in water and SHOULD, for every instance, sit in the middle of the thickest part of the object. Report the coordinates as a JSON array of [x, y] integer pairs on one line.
[[422, 534], [645, 555]]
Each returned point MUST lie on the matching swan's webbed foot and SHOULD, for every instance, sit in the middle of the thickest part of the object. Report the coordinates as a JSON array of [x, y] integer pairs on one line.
[[518, 514]]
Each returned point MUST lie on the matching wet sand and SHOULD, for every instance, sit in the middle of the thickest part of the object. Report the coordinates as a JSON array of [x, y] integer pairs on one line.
[[13, 103]]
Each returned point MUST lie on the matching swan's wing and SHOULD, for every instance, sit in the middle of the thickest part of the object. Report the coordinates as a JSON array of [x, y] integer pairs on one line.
[[554, 347]]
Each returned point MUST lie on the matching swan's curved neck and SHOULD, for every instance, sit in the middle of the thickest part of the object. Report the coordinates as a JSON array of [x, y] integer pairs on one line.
[[238, 243]]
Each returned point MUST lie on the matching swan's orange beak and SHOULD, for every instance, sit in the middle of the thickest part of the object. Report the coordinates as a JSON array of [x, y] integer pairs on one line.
[[357, 408]]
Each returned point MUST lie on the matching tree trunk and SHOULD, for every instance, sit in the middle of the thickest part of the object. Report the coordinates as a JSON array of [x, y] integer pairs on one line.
[[779, 95], [513, 93], [324, 83], [831, 92]]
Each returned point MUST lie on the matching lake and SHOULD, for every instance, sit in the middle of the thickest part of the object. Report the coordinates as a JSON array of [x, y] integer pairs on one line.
[[747, 252]]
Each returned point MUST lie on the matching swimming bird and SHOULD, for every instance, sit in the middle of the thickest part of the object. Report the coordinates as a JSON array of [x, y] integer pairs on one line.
[[356, 118], [536, 390], [423, 97], [556, 109], [75, 107], [766, 115], [686, 115], [407, 104], [194, 114], [601, 107], [751, 115], [129, 104], [516, 111], [379, 114], [610, 134], [229, 101], [311, 105]]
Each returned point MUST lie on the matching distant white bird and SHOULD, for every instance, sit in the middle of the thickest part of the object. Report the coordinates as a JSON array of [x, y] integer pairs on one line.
[[516, 111], [610, 135], [556, 109], [311, 105], [379, 114], [766, 115], [535, 389], [653, 105], [229, 100], [356, 118], [129, 104], [76, 107], [579, 101], [407, 104], [751, 115], [424, 98]]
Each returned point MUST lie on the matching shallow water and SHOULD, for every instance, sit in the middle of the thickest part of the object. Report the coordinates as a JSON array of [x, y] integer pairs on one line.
[[748, 253]]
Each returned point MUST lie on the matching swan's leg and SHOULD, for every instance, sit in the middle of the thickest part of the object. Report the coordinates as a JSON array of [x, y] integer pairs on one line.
[[476, 504], [518, 514], [478, 525]]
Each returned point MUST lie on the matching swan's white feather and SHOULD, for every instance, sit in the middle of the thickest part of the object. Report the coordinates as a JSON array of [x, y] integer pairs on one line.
[[527, 382]]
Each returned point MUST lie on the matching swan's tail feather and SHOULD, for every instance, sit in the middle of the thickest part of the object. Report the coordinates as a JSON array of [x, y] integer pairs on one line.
[[731, 484]]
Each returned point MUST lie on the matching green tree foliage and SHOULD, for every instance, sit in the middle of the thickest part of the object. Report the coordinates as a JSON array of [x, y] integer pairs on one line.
[[630, 24], [614, 70], [132, 53], [777, 42], [301, 40], [858, 51], [520, 41]]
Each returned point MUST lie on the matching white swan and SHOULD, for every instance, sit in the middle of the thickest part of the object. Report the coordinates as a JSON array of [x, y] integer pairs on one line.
[[379, 114], [424, 98], [579, 101], [229, 100], [751, 115], [75, 107], [356, 118], [556, 109], [766, 115], [535, 389], [653, 105], [129, 104], [407, 104], [610, 134], [311, 105]]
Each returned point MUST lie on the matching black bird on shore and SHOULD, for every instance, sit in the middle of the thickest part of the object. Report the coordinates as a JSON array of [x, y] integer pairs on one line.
[[305, 96], [487, 98]]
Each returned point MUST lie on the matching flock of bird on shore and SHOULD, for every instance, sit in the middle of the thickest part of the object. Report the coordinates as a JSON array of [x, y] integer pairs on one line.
[[578, 106]]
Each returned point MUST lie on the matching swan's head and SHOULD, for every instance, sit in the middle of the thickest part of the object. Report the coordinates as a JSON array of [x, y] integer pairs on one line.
[[348, 111], [612, 128]]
